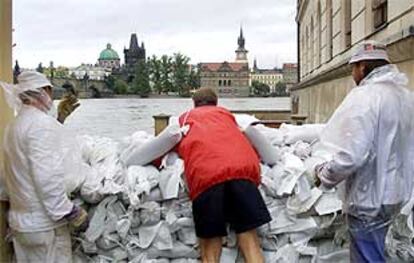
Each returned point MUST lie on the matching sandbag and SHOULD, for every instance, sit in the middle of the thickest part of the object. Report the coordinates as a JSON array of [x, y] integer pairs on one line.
[[155, 147], [307, 132], [267, 153]]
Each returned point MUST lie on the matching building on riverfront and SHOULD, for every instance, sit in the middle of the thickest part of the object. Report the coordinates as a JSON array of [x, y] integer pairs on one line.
[[290, 74], [270, 77], [228, 79], [328, 33], [108, 58], [133, 55]]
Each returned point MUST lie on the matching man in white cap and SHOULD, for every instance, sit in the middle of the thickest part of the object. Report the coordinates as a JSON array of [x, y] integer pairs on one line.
[[371, 138], [40, 209]]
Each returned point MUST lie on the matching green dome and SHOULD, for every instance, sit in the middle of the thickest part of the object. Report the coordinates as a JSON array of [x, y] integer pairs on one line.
[[108, 54]]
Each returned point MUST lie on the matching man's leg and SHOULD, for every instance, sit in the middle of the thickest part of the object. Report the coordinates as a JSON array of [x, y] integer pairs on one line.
[[33, 247], [210, 249], [209, 220], [367, 242], [249, 244], [246, 211]]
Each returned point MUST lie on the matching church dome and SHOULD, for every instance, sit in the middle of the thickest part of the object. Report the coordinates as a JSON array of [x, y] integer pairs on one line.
[[108, 54]]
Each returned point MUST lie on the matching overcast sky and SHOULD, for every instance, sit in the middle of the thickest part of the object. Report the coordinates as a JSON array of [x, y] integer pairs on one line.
[[71, 32]]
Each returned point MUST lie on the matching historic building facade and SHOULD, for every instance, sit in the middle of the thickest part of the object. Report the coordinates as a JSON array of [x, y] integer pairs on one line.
[[132, 55], [290, 74], [328, 33], [108, 58], [228, 79], [269, 77], [93, 72]]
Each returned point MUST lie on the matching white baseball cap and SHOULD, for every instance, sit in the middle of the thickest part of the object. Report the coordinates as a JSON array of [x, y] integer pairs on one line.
[[370, 50], [32, 80]]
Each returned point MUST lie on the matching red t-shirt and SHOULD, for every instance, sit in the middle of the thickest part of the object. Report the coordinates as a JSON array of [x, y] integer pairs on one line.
[[215, 150]]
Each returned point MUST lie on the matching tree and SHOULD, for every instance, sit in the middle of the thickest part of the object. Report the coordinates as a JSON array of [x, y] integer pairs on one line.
[[40, 68], [180, 74], [194, 80], [280, 90], [166, 71], [110, 82], [120, 86], [155, 71], [260, 89], [141, 83]]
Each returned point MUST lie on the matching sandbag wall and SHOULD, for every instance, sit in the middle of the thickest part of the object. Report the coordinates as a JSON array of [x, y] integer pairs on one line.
[[143, 214]]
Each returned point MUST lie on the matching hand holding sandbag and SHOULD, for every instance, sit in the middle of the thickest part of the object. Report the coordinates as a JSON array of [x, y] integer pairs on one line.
[[78, 218]]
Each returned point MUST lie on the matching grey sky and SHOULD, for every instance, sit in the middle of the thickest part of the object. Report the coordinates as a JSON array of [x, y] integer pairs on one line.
[[71, 32]]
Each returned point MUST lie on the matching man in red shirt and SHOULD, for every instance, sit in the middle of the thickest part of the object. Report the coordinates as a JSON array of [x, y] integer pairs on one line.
[[222, 171]]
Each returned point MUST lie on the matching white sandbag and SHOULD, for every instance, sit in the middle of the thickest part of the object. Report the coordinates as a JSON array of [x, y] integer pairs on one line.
[[328, 203], [296, 206], [307, 132], [229, 255], [245, 120], [267, 153], [139, 180], [155, 147], [74, 169], [293, 169], [150, 213], [286, 254], [179, 250], [147, 234], [163, 240], [170, 178]]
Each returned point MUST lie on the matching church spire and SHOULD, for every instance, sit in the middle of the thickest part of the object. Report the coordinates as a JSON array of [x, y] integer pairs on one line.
[[241, 40], [133, 44]]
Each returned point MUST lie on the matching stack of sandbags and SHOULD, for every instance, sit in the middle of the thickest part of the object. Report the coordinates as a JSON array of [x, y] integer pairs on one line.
[[143, 214]]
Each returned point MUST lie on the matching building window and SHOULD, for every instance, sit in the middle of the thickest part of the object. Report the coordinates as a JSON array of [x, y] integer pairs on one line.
[[229, 82], [319, 33], [347, 22], [379, 9], [224, 82], [220, 83], [329, 16]]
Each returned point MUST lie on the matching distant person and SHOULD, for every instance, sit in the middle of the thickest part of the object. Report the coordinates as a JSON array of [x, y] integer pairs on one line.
[[40, 210], [371, 135]]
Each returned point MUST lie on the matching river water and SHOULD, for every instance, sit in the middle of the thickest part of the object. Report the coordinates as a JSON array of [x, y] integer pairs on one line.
[[117, 118]]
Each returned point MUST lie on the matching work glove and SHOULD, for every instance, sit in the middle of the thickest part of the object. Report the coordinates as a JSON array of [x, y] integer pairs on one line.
[[318, 171], [78, 218], [66, 106]]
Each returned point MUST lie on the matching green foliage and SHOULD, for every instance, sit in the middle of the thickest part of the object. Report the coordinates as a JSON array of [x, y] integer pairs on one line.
[[110, 82], [166, 73], [172, 74], [260, 89], [141, 84], [180, 74], [280, 90], [194, 80], [120, 86]]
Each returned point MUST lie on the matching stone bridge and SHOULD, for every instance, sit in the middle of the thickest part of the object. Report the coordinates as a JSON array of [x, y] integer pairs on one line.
[[84, 88]]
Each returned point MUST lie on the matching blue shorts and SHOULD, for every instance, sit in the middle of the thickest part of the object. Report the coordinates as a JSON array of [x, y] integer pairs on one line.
[[237, 203]]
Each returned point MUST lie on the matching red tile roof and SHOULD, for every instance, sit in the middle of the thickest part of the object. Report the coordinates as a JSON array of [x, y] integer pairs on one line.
[[290, 65], [217, 66]]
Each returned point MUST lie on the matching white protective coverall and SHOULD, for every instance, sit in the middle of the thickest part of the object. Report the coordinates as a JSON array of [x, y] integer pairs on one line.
[[38, 201], [371, 136]]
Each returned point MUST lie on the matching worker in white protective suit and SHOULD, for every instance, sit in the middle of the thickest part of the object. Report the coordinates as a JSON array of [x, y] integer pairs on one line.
[[371, 137], [40, 211]]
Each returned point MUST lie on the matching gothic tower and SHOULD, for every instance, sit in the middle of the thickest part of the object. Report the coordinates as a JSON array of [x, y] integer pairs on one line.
[[133, 55], [241, 52]]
